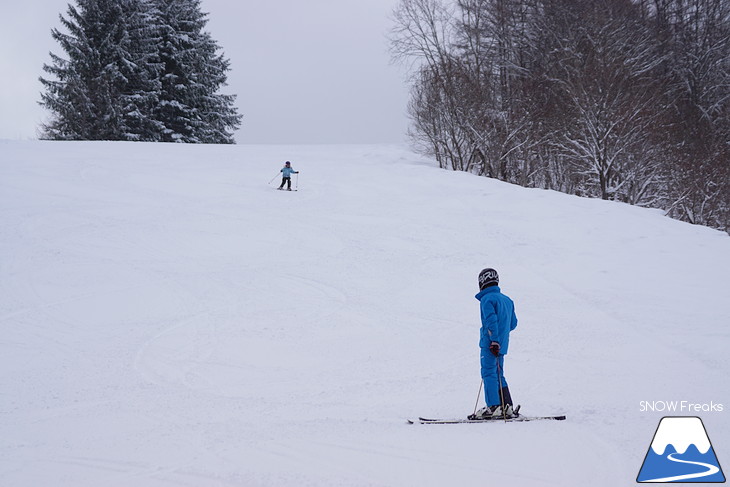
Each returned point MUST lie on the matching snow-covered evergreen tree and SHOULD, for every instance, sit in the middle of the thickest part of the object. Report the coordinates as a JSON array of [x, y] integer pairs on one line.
[[142, 70], [108, 84], [190, 107]]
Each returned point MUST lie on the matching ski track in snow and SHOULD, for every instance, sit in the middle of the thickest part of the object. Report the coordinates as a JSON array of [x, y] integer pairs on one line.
[[168, 319]]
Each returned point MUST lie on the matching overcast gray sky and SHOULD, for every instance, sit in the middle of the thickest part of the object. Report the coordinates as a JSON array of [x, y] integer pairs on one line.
[[314, 71]]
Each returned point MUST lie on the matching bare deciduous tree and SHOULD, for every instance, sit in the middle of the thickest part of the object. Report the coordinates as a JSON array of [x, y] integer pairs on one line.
[[618, 99]]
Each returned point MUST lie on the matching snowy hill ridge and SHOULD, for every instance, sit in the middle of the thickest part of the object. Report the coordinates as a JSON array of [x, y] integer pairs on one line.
[[169, 318]]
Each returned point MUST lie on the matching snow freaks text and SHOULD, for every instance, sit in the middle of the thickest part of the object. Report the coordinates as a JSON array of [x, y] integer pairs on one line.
[[680, 407]]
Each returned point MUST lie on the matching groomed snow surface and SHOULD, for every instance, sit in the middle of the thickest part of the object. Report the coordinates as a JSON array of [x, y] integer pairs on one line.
[[170, 319]]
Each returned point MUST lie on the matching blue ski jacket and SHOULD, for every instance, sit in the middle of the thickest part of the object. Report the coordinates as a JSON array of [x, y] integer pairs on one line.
[[288, 171], [498, 318]]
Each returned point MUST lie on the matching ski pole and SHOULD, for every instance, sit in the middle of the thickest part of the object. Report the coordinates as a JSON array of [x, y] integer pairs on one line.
[[272, 179], [501, 394], [476, 404], [296, 185]]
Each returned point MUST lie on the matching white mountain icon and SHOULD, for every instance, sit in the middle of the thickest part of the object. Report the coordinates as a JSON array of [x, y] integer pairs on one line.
[[680, 432]]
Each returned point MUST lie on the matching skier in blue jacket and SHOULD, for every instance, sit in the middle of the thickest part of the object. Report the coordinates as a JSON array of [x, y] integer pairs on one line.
[[287, 171], [498, 320]]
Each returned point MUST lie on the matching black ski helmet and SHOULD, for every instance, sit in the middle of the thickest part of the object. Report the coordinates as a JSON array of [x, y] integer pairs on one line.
[[488, 277]]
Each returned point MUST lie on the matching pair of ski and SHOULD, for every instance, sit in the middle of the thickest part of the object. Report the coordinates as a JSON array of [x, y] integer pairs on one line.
[[514, 419]]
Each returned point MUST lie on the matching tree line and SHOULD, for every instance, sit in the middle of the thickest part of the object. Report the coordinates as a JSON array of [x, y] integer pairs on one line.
[[137, 70], [618, 99]]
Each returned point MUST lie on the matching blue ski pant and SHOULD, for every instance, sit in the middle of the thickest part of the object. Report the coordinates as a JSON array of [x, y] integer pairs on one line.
[[493, 381]]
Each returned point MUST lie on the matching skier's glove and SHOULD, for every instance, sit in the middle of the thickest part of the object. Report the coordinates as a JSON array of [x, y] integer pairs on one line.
[[494, 348]]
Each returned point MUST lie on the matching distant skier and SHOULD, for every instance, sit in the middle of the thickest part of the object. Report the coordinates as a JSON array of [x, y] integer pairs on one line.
[[287, 171], [498, 320]]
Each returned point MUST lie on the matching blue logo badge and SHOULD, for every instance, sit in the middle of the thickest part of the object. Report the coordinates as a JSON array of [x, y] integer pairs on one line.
[[681, 452]]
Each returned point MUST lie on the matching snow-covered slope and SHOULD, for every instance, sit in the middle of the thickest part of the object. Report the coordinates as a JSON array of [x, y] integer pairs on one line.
[[168, 318]]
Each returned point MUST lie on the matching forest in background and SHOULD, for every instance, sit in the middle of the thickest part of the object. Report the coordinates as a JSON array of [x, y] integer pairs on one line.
[[616, 99]]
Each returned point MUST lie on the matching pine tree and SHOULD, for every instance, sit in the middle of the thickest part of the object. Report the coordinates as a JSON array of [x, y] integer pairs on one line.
[[141, 70], [100, 92], [190, 108]]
